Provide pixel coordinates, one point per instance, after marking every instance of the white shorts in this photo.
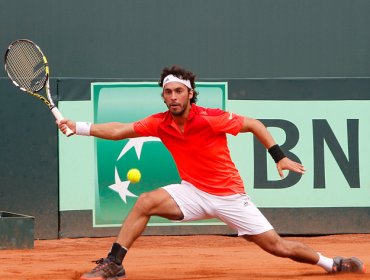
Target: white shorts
(237, 211)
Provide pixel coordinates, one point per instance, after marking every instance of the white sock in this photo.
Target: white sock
(325, 263)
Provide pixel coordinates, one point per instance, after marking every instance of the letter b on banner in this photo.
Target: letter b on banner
(260, 157)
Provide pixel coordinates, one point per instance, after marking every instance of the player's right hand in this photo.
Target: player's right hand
(65, 124)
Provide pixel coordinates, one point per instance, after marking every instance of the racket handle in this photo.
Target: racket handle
(58, 116)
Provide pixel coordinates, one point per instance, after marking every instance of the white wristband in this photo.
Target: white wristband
(83, 128)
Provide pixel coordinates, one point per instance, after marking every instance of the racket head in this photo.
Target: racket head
(26, 65)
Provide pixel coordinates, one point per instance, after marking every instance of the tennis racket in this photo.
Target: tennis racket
(27, 67)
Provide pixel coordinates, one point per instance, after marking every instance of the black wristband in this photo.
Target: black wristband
(276, 153)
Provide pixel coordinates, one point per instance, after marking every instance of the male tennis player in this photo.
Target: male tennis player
(211, 186)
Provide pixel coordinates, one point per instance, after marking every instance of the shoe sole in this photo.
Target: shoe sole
(363, 268)
(360, 266)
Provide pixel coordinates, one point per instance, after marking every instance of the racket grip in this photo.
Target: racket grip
(58, 116)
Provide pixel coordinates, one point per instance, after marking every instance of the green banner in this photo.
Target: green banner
(129, 102)
(329, 137)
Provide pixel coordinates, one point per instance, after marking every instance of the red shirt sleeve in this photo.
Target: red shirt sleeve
(224, 122)
(147, 126)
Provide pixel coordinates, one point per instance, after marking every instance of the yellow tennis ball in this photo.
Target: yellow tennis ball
(134, 175)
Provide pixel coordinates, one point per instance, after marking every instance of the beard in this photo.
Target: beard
(176, 109)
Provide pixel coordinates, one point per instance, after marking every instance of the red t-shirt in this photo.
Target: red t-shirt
(201, 153)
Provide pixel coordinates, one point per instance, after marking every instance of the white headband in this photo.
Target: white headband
(171, 78)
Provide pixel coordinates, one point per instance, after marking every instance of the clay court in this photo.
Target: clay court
(179, 257)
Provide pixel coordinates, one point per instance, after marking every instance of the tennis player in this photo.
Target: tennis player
(211, 186)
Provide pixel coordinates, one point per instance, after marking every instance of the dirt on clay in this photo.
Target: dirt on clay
(208, 257)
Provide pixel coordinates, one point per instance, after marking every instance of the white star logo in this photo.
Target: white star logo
(121, 187)
(137, 143)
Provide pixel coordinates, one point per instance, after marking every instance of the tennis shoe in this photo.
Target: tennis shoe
(106, 269)
(353, 265)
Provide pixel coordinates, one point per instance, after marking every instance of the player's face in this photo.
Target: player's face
(177, 98)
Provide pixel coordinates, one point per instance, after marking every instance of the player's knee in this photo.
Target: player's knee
(145, 203)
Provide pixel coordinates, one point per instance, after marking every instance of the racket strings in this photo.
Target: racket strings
(26, 66)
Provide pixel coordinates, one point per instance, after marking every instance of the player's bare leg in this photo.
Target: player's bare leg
(272, 243)
(154, 203)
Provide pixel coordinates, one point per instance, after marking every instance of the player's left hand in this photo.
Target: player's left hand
(288, 164)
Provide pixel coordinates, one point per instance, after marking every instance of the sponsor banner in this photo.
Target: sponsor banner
(129, 102)
(329, 137)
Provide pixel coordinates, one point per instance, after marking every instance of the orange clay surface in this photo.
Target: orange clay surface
(180, 257)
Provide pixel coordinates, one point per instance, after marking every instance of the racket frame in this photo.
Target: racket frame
(48, 101)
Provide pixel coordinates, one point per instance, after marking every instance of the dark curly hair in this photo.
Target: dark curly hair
(180, 73)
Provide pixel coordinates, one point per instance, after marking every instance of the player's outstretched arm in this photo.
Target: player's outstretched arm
(259, 130)
(111, 131)
(264, 136)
